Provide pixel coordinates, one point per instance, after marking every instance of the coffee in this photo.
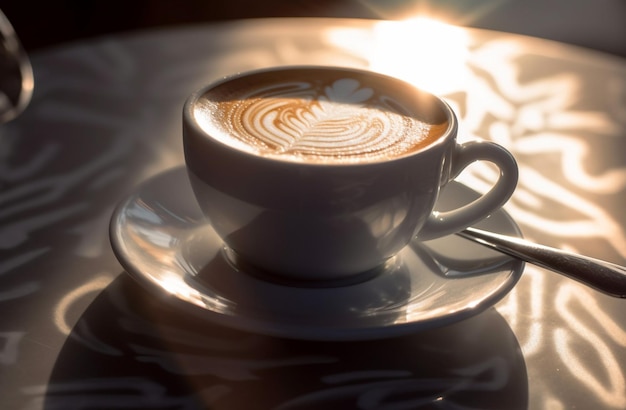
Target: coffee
(336, 117)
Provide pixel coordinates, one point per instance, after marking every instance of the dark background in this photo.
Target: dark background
(597, 24)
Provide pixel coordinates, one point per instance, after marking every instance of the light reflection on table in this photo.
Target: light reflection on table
(539, 117)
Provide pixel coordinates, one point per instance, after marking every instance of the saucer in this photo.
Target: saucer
(162, 240)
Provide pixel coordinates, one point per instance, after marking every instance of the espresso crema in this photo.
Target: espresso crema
(322, 120)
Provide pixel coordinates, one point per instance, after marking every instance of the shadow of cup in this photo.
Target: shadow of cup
(129, 350)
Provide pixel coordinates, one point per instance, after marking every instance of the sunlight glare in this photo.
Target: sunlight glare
(427, 53)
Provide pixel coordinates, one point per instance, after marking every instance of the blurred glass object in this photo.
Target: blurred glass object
(16, 73)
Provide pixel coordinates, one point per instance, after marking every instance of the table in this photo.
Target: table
(76, 332)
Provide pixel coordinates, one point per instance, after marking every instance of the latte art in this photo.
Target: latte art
(339, 121)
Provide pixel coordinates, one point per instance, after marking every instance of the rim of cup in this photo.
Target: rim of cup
(189, 116)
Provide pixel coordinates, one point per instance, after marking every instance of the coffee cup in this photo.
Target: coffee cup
(325, 173)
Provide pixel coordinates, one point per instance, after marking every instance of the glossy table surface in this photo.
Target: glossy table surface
(76, 332)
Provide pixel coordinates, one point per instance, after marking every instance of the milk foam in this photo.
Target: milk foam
(342, 121)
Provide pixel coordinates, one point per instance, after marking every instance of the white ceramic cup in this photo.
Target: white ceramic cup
(319, 221)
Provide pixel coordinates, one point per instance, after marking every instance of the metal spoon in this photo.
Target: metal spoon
(601, 275)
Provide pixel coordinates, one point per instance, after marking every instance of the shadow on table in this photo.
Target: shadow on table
(132, 351)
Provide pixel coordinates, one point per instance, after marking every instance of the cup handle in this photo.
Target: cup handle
(445, 223)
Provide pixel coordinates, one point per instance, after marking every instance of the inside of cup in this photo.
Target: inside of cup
(319, 114)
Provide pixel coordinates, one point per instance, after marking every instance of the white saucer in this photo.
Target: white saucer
(162, 240)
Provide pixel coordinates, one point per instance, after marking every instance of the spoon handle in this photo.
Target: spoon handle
(598, 274)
